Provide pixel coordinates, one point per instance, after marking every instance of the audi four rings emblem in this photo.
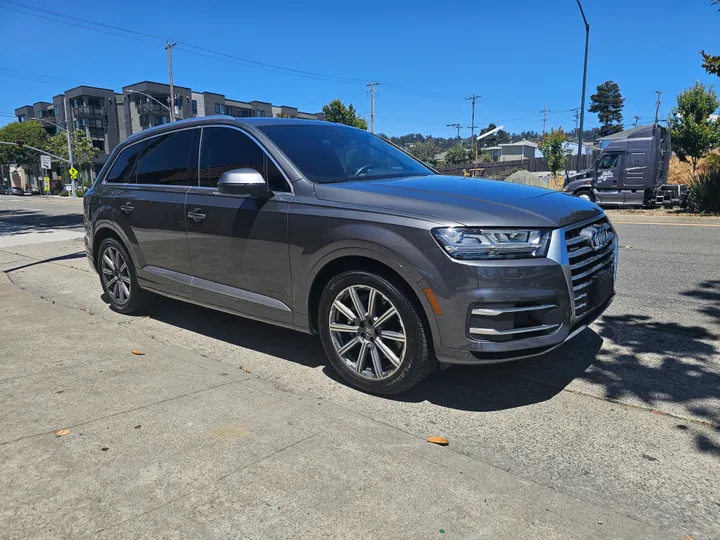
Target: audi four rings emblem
(598, 235)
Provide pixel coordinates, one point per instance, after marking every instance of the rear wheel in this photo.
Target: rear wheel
(585, 194)
(118, 277)
(372, 334)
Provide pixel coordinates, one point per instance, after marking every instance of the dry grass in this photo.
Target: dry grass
(681, 173)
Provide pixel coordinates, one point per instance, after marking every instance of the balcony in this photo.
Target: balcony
(151, 108)
(84, 110)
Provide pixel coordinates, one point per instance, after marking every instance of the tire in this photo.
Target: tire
(402, 336)
(585, 194)
(124, 294)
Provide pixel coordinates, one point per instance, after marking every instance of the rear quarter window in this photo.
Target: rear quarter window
(122, 171)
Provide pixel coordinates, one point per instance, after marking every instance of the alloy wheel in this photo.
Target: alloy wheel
(116, 275)
(367, 332)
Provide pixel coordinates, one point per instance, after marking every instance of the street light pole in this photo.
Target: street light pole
(73, 184)
(582, 103)
(149, 96)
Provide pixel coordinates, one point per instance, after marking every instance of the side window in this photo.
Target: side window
(608, 161)
(169, 159)
(225, 149)
(122, 169)
(637, 159)
(276, 180)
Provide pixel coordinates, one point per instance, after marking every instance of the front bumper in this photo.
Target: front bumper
(498, 311)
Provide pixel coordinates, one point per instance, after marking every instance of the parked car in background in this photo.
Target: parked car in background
(330, 230)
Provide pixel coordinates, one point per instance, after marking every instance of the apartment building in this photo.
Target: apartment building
(109, 117)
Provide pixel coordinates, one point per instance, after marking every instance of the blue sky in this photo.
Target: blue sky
(427, 56)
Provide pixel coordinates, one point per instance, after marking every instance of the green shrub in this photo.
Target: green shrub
(63, 193)
(705, 191)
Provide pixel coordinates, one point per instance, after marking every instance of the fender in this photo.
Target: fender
(412, 271)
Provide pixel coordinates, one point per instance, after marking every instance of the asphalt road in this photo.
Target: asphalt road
(627, 414)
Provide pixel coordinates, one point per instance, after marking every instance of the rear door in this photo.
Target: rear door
(608, 176)
(239, 243)
(151, 210)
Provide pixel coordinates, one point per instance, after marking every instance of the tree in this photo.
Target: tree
(692, 134)
(456, 155)
(32, 134)
(552, 147)
(83, 150)
(608, 104)
(337, 112)
(424, 151)
(485, 157)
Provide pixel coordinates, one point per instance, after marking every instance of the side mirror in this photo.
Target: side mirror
(242, 182)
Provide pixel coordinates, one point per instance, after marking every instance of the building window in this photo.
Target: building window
(220, 108)
(100, 145)
(245, 112)
(94, 102)
(22, 118)
(160, 120)
(194, 106)
(260, 114)
(144, 121)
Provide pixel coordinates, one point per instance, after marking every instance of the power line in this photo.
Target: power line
(251, 63)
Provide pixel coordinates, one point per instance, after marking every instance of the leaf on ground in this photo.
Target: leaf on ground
(137, 353)
(442, 441)
(138, 426)
(62, 432)
(246, 370)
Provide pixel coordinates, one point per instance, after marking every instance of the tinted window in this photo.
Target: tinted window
(122, 169)
(334, 153)
(225, 149)
(608, 161)
(168, 159)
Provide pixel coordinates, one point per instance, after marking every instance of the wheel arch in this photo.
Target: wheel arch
(368, 261)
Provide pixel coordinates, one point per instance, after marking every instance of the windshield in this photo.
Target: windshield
(335, 153)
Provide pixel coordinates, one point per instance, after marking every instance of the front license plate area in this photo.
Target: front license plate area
(602, 287)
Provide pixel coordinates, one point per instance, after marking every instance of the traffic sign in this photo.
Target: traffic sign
(45, 162)
(46, 184)
(73, 172)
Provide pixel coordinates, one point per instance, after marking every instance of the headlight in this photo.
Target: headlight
(474, 244)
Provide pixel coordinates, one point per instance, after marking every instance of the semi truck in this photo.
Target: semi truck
(630, 172)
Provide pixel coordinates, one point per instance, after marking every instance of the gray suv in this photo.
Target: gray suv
(330, 230)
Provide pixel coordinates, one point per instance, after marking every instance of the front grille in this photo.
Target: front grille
(586, 263)
(500, 323)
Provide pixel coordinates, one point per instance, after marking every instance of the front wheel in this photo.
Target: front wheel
(119, 281)
(585, 194)
(372, 334)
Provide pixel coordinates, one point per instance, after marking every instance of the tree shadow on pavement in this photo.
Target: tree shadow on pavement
(31, 221)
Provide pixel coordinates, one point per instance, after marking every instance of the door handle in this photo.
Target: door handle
(127, 208)
(196, 215)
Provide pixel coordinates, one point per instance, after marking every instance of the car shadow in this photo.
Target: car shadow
(16, 222)
(629, 359)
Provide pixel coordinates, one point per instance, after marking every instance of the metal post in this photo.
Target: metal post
(73, 184)
(582, 103)
(172, 90)
(371, 89)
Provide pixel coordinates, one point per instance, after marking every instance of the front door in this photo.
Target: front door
(239, 243)
(151, 210)
(607, 179)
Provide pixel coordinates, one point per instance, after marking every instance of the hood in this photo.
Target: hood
(464, 201)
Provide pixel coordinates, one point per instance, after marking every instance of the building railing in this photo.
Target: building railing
(85, 110)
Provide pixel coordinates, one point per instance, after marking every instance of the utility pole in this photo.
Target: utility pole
(169, 47)
(582, 101)
(576, 115)
(371, 90)
(544, 113)
(657, 106)
(73, 184)
(637, 119)
(472, 121)
(456, 126)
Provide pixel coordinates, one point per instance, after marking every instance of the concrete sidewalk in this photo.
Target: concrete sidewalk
(173, 444)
